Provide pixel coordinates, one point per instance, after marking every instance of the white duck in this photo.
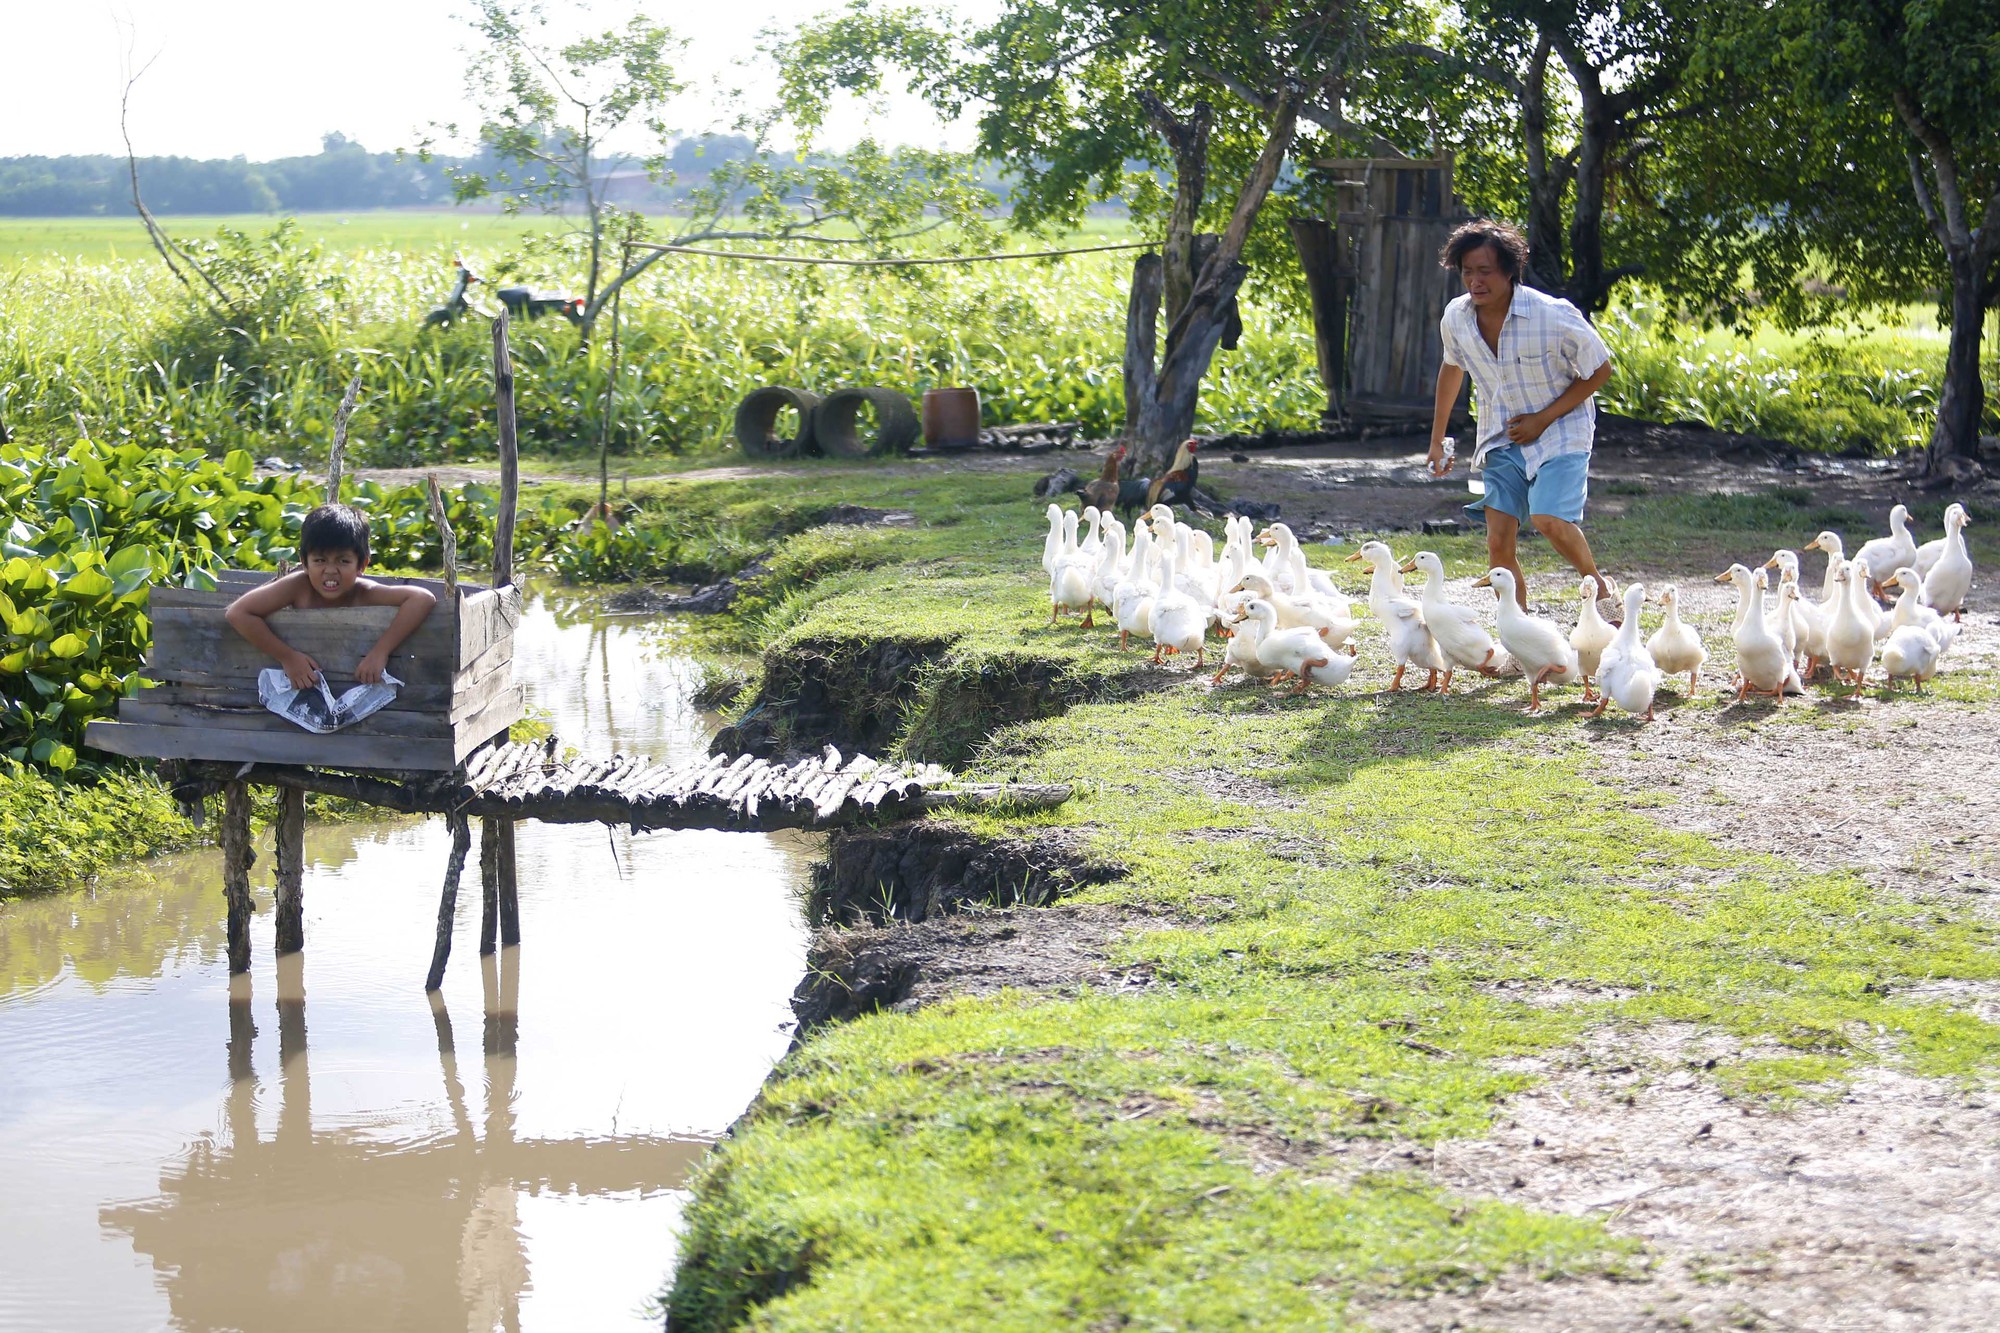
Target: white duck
(1627, 674)
(1914, 652)
(1883, 556)
(1592, 635)
(1850, 637)
(1292, 558)
(1132, 605)
(1299, 652)
(1410, 641)
(1909, 608)
(1053, 543)
(1241, 637)
(1460, 636)
(1948, 578)
(1763, 666)
(1069, 585)
(1806, 619)
(1537, 644)
(1104, 580)
(1676, 645)
(1180, 623)
(1336, 630)
(1829, 586)
(1091, 542)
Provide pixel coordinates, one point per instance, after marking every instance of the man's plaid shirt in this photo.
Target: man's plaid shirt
(1546, 345)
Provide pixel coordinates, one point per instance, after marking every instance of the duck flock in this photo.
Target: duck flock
(1283, 621)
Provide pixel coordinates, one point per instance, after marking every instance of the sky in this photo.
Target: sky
(267, 78)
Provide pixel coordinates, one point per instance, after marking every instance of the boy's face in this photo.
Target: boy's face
(1483, 277)
(332, 573)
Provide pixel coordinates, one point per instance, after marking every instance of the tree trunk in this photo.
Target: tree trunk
(1142, 340)
(1587, 287)
(1166, 399)
(1546, 183)
(1962, 400)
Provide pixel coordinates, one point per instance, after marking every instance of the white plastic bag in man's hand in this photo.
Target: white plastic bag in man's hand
(314, 707)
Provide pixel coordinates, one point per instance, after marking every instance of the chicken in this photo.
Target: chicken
(1176, 487)
(1104, 491)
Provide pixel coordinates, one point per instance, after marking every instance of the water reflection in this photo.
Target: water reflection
(169, 1158)
(333, 1229)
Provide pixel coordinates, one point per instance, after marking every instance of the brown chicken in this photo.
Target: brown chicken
(1177, 486)
(1104, 491)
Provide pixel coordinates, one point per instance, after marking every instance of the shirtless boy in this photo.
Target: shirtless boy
(334, 540)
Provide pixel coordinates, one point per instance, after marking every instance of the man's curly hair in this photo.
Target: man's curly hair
(1510, 247)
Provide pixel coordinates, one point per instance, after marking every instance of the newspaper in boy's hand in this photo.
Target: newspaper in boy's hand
(315, 707)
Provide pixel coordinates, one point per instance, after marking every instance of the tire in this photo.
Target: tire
(838, 428)
(757, 422)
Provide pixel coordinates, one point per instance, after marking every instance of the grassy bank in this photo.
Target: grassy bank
(1355, 923)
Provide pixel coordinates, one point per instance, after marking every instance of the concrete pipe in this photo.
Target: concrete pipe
(757, 422)
(839, 429)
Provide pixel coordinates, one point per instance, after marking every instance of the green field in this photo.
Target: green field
(97, 240)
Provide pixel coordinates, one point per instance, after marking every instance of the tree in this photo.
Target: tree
(1619, 67)
(550, 107)
(1865, 150)
(1069, 93)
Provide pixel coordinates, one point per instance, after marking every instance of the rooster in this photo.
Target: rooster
(1177, 485)
(1104, 491)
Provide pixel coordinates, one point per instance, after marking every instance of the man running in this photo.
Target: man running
(1535, 363)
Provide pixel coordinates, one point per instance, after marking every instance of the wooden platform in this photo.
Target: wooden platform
(457, 671)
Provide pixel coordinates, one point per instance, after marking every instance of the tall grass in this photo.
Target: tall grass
(117, 350)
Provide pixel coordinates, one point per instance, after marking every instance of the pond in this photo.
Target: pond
(336, 1150)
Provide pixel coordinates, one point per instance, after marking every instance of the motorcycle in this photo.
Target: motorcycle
(523, 303)
(455, 306)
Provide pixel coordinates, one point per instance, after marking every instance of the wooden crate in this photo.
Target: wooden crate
(457, 673)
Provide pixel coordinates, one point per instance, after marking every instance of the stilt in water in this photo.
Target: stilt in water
(461, 843)
(489, 884)
(291, 836)
(510, 901)
(236, 856)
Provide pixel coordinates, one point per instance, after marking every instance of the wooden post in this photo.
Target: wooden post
(510, 902)
(461, 842)
(291, 837)
(510, 458)
(489, 884)
(336, 458)
(236, 856)
(447, 539)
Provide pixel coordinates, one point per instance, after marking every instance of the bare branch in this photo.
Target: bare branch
(1924, 201)
(1492, 73)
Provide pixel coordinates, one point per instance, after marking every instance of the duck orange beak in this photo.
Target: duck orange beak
(1772, 563)
(1354, 559)
(1723, 577)
(1483, 581)
(1408, 567)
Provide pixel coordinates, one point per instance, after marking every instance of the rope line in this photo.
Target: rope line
(887, 263)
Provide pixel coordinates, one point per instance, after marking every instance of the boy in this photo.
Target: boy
(334, 541)
(1535, 362)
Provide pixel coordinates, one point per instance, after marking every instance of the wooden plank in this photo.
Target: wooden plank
(340, 750)
(385, 723)
(467, 700)
(236, 855)
(190, 644)
(484, 619)
(242, 580)
(233, 691)
(505, 710)
(290, 839)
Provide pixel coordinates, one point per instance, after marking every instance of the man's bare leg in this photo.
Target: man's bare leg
(1503, 532)
(1573, 546)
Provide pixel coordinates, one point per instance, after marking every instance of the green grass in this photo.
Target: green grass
(1365, 900)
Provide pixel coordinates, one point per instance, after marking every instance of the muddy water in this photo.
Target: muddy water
(334, 1151)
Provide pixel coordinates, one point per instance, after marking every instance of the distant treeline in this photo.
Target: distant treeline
(342, 175)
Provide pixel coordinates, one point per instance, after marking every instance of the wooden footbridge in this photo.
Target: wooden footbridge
(442, 747)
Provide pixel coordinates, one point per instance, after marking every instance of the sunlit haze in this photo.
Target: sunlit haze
(263, 80)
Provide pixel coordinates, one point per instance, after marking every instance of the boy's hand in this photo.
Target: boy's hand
(1440, 461)
(371, 668)
(299, 669)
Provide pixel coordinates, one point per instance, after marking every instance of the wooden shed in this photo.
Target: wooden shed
(1377, 289)
(457, 672)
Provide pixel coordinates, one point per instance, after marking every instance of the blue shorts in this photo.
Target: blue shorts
(1559, 487)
